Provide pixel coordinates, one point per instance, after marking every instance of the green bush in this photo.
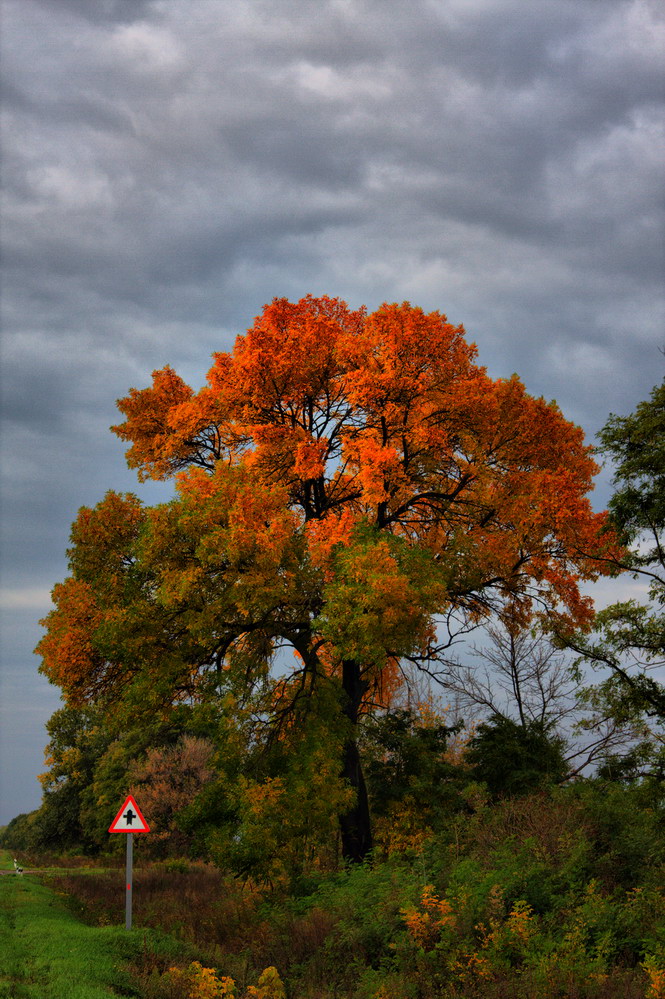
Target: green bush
(514, 759)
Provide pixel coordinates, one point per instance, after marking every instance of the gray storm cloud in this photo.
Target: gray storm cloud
(169, 167)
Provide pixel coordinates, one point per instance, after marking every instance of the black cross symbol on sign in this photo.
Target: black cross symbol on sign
(130, 816)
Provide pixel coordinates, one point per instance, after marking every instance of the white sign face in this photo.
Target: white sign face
(129, 819)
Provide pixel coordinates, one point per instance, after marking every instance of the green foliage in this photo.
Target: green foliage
(20, 833)
(270, 811)
(78, 741)
(365, 903)
(489, 876)
(408, 769)
(644, 761)
(627, 823)
(343, 482)
(630, 636)
(636, 444)
(49, 954)
(382, 596)
(513, 759)
(559, 893)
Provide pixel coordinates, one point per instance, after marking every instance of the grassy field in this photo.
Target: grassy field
(47, 953)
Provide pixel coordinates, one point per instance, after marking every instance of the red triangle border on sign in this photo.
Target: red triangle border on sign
(129, 802)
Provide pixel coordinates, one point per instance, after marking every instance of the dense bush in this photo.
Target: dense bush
(515, 759)
(555, 894)
(19, 834)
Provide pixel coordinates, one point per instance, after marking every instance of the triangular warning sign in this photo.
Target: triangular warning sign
(129, 818)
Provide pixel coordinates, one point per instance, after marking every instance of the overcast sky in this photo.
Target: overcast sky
(171, 166)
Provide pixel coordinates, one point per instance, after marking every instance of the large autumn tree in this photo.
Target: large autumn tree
(346, 485)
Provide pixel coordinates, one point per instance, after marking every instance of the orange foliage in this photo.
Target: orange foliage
(403, 829)
(170, 427)
(655, 970)
(69, 658)
(387, 417)
(324, 421)
(426, 923)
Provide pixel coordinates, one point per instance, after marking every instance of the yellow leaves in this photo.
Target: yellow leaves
(438, 923)
(403, 829)
(197, 982)
(230, 541)
(204, 983)
(269, 986)
(378, 603)
(178, 585)
(471, 967)
(68, 765)
(260, 798)
(519, 927)
(200, 982)
(288, 823)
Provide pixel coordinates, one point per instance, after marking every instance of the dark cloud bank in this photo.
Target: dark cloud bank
(170, 166)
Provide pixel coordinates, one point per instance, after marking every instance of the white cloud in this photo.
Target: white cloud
(71, 188)
(146, 48)
(28, 598)
(354, 83)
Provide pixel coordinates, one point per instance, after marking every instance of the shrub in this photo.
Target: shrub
(514, 759)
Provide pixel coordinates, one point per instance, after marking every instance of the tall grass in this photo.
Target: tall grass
(194, 903)
(47, 953)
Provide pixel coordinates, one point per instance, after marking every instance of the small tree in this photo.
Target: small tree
(166, 782)
(520, 675)
(78, 740)
(515, 759)
(628, 643)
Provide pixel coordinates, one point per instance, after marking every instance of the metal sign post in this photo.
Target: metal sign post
(128, 879)
(129, 821)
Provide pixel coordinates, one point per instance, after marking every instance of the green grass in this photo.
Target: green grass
(47, 953)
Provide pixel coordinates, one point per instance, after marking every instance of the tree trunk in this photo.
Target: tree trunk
(355, 824)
